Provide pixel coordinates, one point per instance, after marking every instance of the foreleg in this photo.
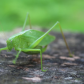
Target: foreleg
(5, 48)
(14, 61)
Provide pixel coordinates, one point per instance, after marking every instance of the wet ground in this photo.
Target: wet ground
(61, 69)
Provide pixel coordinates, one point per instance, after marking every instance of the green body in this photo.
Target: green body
(31, 41)
(25, 38)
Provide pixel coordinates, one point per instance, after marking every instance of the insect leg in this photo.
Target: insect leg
(14, 61)
(35, 43)
(5, 48)
(64, 39)
(29, 21)
(36, 50)
(28, 16)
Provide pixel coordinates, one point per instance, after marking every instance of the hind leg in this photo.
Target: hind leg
(28, 16)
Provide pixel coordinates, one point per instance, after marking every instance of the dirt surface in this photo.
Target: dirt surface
(61, 69)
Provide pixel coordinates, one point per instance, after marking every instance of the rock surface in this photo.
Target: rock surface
(61, 69)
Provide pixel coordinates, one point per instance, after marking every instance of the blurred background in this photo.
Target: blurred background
(43, 13)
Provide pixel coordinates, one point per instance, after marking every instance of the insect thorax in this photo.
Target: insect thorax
(18, 41)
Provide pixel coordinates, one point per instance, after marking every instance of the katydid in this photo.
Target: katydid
(32, 41)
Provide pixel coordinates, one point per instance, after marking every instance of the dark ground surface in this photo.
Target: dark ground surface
(62, 69)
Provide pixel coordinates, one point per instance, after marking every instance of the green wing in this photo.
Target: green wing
(32, 35)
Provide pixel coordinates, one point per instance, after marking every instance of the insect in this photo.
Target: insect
(31, 41)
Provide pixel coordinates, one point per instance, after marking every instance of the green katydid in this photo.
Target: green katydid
(31, 41)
